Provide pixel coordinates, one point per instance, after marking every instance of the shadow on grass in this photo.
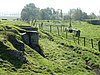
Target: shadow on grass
(5, 55)
(38, 49)
(11, 56)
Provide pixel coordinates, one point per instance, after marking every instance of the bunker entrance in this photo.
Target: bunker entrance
(30, 38)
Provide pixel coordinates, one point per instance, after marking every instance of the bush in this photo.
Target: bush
(95, 22)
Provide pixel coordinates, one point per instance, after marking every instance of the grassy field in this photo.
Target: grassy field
(88, 31)
(62, 56)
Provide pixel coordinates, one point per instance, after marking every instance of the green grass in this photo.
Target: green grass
(70, 60)
(88, 31)
(62, 56)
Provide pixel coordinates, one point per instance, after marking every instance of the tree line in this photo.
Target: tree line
(31, 12)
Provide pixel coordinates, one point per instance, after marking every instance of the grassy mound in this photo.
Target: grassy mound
(61, 58)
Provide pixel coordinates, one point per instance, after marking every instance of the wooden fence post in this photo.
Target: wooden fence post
(61, 28)
(92, 43)
(39, 26)
(66, 35)
(58, 30)
(36, 25)
(50, 28)
(74, 38)
(99, 45)
(42, 26)
(78, 40)
(84, 41)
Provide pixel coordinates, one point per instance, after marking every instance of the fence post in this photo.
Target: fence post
(39, 26)
(84, 41)
(61, 28)
(50, 29)
(36, 25)
(78, 40)
(66, 33)
(42, 25)
(99, 45)
(58, 30)
(92, 43)
(74, 38)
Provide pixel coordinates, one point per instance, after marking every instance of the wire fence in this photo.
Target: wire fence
(59, 30)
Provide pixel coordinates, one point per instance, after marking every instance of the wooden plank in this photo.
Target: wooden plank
(99, 45)
(92, 43)
(84, 41)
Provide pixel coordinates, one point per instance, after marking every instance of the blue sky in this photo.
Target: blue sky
(87, 6)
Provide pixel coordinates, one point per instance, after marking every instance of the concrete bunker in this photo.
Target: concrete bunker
(30, 38)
